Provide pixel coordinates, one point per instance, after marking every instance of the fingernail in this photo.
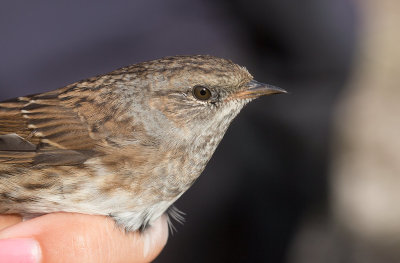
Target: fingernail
(19, 250)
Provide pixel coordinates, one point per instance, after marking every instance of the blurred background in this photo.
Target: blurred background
(312, 176)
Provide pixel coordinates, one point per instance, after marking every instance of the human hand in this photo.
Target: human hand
(69, 237)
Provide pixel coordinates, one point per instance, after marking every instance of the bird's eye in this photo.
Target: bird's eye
(201, 93)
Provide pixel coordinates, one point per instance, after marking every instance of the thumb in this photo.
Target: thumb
(68, 237)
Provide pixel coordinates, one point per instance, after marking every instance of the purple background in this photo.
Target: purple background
(271, 167)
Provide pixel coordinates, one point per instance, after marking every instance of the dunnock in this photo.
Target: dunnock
(126, 144)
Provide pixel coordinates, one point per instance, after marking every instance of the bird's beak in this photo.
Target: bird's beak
(255, 89)
(260, 89)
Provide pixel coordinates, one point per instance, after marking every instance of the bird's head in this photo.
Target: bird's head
(198, 93)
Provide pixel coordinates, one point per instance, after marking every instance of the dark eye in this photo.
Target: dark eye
(201, 93)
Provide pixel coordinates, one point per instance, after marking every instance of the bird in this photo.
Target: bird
(126, 144)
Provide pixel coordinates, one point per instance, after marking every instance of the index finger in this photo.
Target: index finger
(9, 220)
(67, 237)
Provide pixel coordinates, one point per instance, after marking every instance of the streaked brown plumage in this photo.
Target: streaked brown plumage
(125, 144)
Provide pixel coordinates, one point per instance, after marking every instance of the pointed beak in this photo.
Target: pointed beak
(255, 89)
(260, 89)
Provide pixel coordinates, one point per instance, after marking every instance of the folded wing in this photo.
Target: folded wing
(43, 130)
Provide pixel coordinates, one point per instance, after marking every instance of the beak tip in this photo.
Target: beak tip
(257, 89)
(276, 90)
(266, 88)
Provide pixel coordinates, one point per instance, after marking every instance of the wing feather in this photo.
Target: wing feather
(43, 130)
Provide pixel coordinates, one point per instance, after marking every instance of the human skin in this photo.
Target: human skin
(68, 237)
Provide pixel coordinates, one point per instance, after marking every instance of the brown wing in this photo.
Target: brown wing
(41, 129)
